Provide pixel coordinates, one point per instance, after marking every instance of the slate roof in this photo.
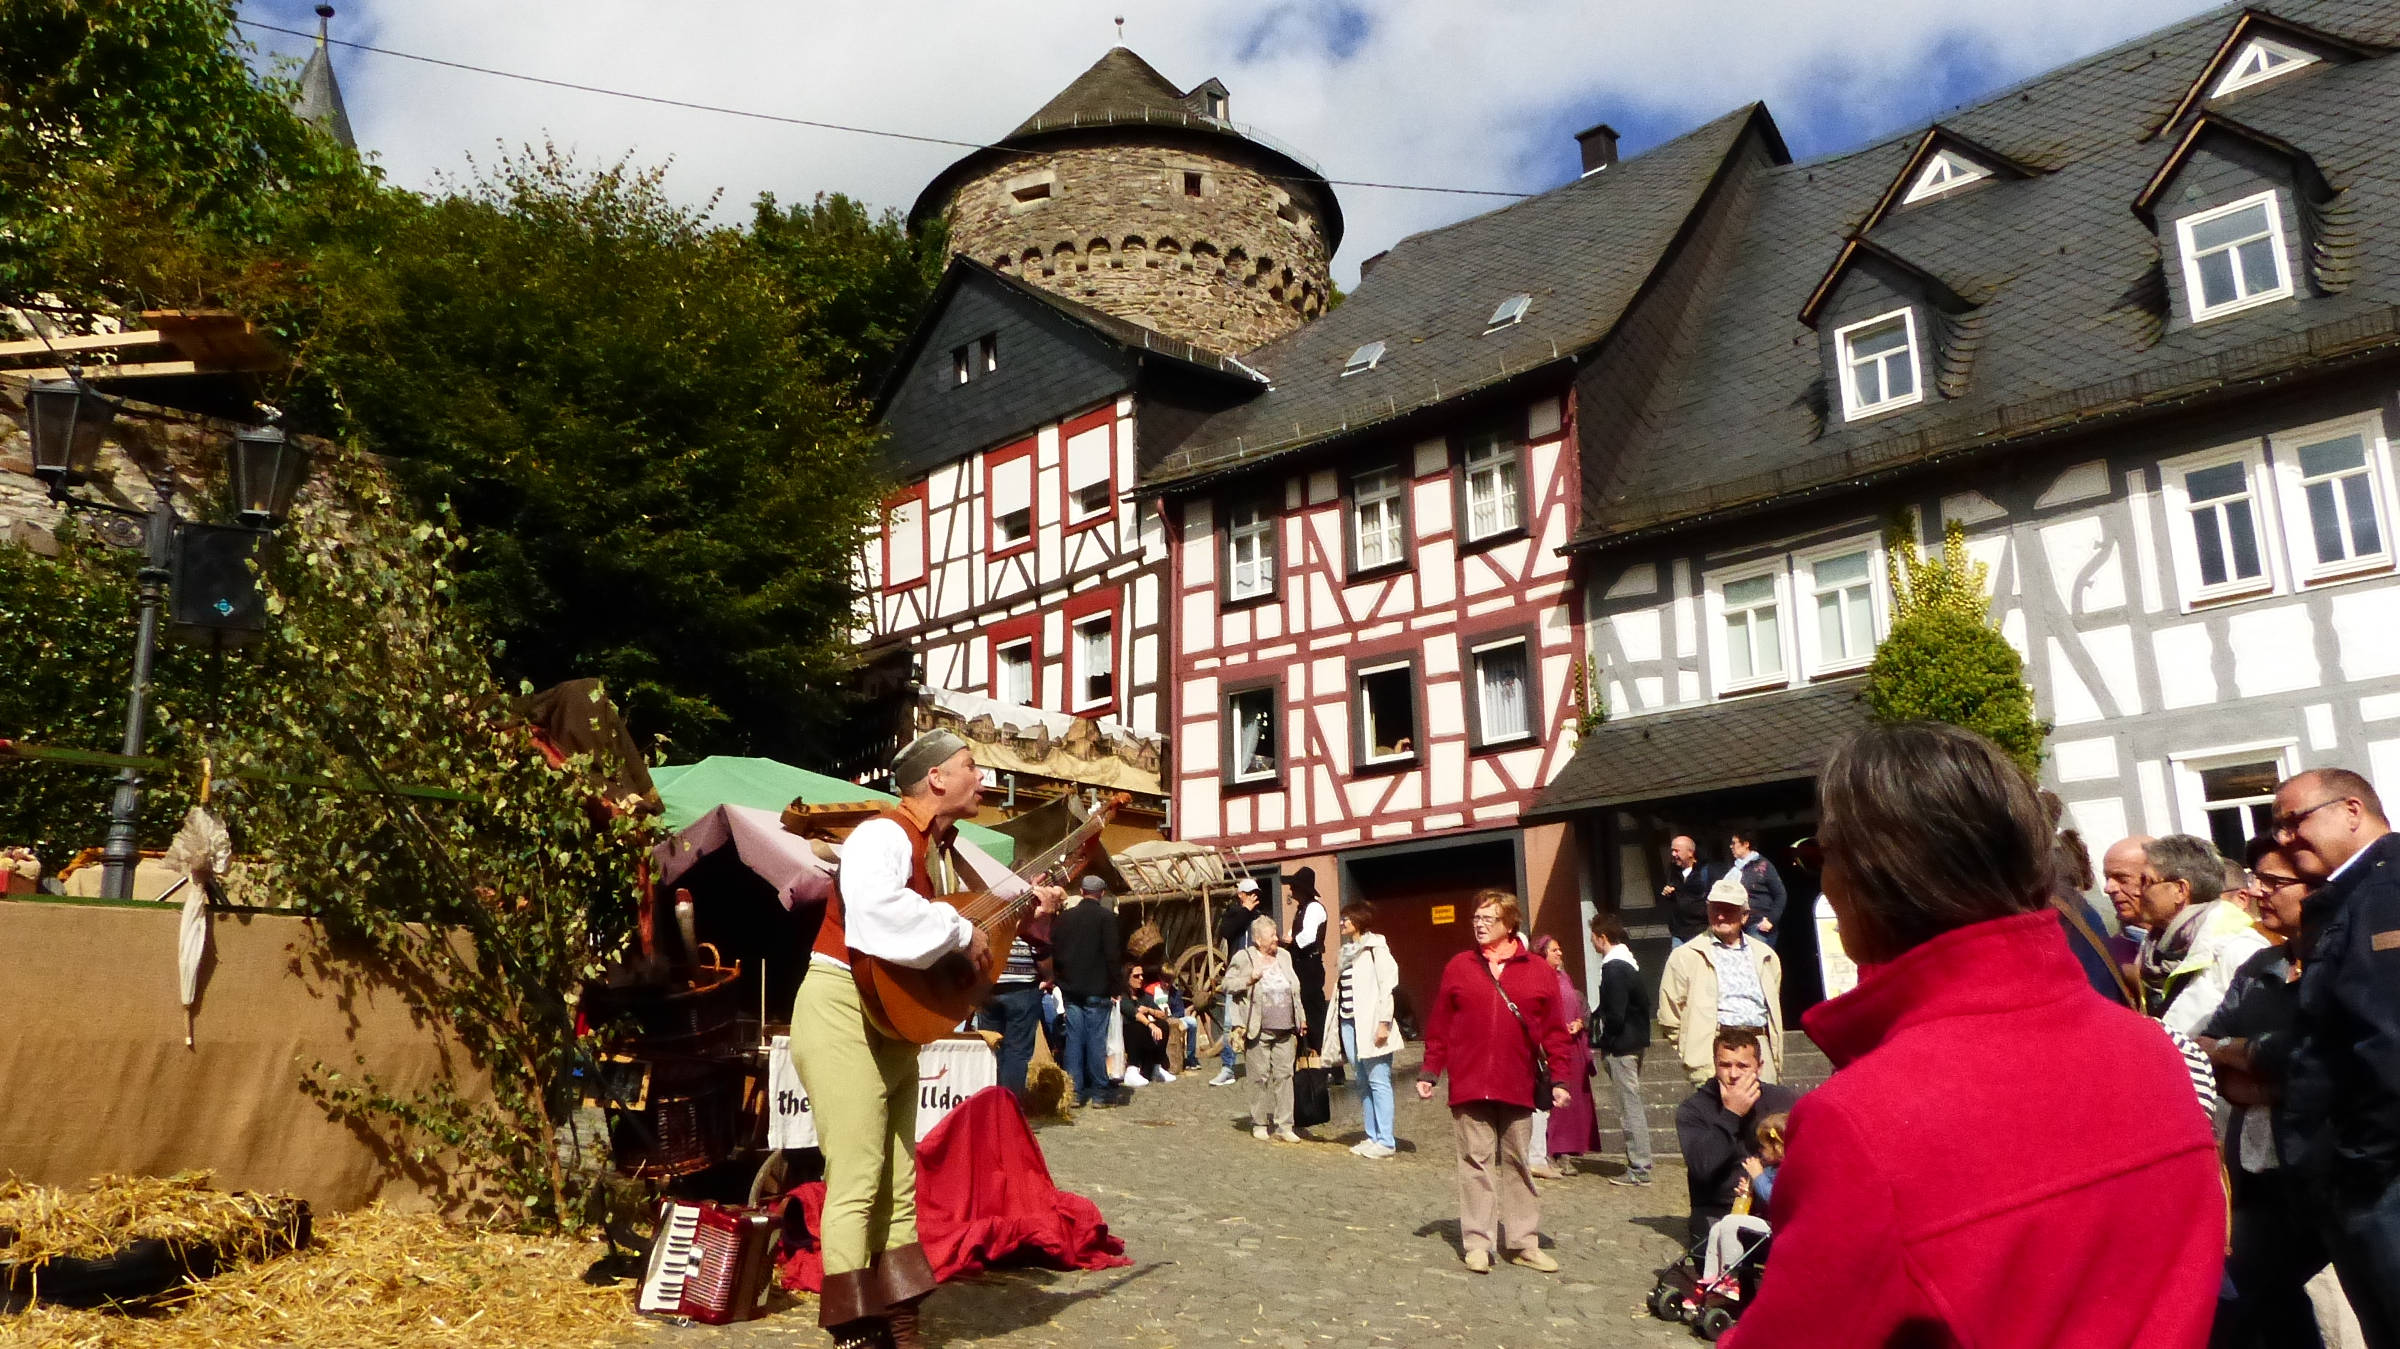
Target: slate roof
(1582, 251)
(318, 101)
(1120, 91)
(1775, 737)
(2066, 283)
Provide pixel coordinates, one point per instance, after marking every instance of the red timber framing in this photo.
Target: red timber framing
(1349, 658)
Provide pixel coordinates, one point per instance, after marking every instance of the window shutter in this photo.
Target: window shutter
(1089, 458)
(1012, 485)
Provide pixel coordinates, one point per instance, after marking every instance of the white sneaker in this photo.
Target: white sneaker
(1161, 1075)
(1363, 1148)
(1259, 1132)
(1224, 1078)
(1286, 1136)
(1380, 1152)
(1134, 1078)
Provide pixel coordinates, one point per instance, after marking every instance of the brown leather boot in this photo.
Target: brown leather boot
(902, 1318)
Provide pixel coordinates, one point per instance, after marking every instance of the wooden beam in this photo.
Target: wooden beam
(102, 374)
(147, 337)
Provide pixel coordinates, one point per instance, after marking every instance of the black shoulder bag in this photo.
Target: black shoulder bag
(1542, 1084)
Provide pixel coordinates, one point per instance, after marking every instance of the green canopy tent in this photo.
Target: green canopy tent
(690, 791)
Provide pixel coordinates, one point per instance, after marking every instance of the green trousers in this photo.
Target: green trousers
(862, 1088)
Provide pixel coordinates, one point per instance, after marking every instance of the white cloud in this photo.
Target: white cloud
(1432, 91)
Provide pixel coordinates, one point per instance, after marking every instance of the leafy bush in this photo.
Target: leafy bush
(1943, 659)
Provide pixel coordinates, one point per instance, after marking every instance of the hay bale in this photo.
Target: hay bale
(184, 1210)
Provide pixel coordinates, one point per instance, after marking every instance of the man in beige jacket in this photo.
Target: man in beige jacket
(1723, 977)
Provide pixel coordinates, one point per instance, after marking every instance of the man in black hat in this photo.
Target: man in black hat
(1308, 950)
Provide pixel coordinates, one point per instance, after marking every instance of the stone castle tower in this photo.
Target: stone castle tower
(1147, 203)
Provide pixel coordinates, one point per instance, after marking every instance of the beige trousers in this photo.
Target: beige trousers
(1270, 1058)
(862, 1087)
(1495, 1186)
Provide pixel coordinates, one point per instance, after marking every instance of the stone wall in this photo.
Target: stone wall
(1117, 227)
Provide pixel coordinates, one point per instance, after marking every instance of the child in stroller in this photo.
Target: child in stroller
(1717, 1278)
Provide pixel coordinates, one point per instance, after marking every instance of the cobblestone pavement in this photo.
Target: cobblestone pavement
(1238, 1242)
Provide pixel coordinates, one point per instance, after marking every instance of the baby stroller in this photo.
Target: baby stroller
(1710, 1307)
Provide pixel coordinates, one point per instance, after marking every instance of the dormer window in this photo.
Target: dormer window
(2260, 60)
(1511, 310)
(1363, 359)
(1946, 172)
(2233, 257)
(1878, 364)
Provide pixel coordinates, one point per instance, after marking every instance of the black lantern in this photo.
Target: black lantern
(66, 421)
(268, 468)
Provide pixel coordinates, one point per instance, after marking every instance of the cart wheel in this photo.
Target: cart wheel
(1712, 1322)
(769, 1184)
(1664, 1299)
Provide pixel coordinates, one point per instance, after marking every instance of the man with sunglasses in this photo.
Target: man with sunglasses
(2339, 1129)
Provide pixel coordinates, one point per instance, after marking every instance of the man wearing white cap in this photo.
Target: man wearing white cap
(1233, 933)
(1723, 979)
(862, 1082)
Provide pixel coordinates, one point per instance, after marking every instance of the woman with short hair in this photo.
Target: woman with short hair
(1495, 1014)
(1993, 1128)
(1370, 1032)
(1276, 1019)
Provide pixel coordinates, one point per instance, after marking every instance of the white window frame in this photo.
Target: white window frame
(1508, 312)
(1393, 500)
(1365, 358)
(2300, 529)
(2183, 545)
(1001, 692)
(2234, 80)
(1778, 571)
(1367, 756)
(2202, 312)
(1078, 483)
(1961, 171)
(1814, 662)
(906, 521)
(1852, 409)
(1503, 462)
(1483, 724)
(2191, 799)
(1259, 533)
(1079, 695)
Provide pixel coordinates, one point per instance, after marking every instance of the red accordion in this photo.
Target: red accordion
(710, 1263)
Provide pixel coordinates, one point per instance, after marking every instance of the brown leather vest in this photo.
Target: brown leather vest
(832, 936)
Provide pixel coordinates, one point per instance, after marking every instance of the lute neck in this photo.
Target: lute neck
(988, 910)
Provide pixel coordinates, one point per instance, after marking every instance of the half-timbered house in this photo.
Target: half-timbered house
(2133, 324)
(1376, 648)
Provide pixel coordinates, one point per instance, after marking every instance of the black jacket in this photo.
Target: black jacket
(1715, 1140)
(2340, 1123)
(1233, 926)
(1086, 951)
(1623, 1026)
(1687, 907)
(1765, 885)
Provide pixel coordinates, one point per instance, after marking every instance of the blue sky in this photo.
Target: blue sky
(1411, 91)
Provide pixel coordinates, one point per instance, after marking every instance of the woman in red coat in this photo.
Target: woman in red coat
(1488, 1050)
(2003, 1158)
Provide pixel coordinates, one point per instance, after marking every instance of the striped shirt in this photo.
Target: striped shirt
(1020, 968)
(1349, 1007)
(1741, 997)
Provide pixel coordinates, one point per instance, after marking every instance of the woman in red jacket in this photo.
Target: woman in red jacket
(1488, 1050)
(1972, 1021)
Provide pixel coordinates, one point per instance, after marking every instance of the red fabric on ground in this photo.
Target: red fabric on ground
(984, 1197)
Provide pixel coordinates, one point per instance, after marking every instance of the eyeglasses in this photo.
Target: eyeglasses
(1484, 919)
(2150, 883)
(2286, 826)
(2270, 882)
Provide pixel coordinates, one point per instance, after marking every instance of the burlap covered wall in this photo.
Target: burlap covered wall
(95, 1078)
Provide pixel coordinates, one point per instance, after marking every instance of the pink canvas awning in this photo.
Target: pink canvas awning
(780, 858)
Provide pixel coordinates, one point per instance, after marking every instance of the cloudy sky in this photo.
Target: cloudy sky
(1429, 92)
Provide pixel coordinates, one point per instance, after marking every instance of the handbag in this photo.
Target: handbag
(1542, 1085)
(1312, 1091)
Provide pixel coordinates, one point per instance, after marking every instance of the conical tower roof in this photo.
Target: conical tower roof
(319, 102)
(1119, 87)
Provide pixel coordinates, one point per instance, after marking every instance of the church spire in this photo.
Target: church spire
(319, 102)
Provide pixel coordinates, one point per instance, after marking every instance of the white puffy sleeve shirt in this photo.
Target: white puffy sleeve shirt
(881, 915)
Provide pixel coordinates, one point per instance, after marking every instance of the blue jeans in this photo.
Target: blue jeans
(1087, 1047)
(1374, 1089)
(1225, 1034)
(1014, 1011)
(1191, 1042)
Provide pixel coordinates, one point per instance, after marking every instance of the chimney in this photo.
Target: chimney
(1369, 264)
(1599, 147)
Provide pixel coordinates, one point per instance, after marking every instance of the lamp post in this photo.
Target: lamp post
(66, 420)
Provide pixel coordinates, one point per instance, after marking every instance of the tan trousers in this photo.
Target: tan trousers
(1270, 1057)
(862, 1088)
(1495, 1188)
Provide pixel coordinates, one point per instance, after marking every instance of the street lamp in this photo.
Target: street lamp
(66, 421)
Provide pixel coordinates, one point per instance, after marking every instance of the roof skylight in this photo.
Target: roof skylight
(1510, 311)
(1947, 171)
(2260, 60)
(1363, 359)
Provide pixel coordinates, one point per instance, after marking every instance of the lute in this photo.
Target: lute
(922, 1006)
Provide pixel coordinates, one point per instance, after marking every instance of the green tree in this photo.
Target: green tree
(142, 162)
(1943, 659)
(660, 484)
(855, 281)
